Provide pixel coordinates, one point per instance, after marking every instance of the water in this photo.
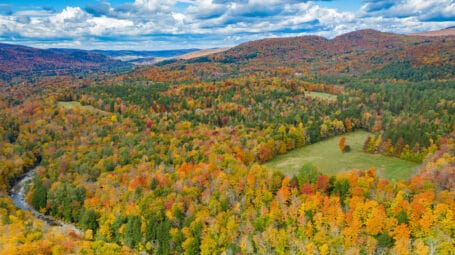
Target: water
(17, 193)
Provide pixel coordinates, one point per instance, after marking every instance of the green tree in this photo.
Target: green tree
(132, 234)
(39, 197)
(157, 231)
(341, 188)
(89, 220)
(308, 173)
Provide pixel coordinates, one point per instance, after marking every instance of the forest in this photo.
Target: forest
(169, 159)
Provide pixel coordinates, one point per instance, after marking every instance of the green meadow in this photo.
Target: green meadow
(328, 158)
(75, 104)
(321, 95)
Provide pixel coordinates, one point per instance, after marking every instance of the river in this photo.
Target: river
(17, 193)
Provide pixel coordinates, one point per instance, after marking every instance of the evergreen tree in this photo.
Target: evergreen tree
(39, 197)
(132, 234)
(89, 220)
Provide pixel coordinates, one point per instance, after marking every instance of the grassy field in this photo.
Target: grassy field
(321, 95)
(74, 104)
(327, 157)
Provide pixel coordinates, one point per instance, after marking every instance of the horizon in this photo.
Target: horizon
(213, 48)
(152, 25)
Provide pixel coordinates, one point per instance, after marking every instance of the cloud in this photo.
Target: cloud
(159, 24)
(155, 5)
(423, 10)
(48, 8)
(144, 7)
(103, 9)
(71, 22)
(70, 15)
(379, 5)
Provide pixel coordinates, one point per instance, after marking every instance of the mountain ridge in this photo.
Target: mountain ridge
(450, 31)
(18, 61)
(354, 53)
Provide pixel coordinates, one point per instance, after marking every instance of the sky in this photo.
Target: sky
(180, 24)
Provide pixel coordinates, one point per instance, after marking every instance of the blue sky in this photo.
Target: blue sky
(177, 24)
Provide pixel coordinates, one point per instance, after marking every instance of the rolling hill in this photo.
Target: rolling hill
(133, 54)
(443, 32)
(364, 52)
(21, 61)
(355, 53)
(138, 57)
(201, 53)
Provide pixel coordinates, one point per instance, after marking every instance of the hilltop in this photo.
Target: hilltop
(367, 53)
(364, 52)
(443, 32)
(277, 146)
(23, 62)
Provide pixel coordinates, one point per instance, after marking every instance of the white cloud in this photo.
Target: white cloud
(33, 13)
(106, 26)
(69, 14)
(421, 9)
(210, 23)
(155, 5)
(179, 17)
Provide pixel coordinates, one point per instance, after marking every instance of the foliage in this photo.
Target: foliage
(342, 143)
(167, 159)
(89, 219)
(330, 160)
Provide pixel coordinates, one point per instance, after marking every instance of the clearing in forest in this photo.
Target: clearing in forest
(328, 158)
(321, 95)
(75, 104)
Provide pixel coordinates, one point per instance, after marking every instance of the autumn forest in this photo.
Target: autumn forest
(177, 157)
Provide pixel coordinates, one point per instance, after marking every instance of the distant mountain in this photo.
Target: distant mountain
(201, 53)
(355, 53)
(443, 32)
(361, 51)
(139, 57)
(131, 55)
(17, 61)
(365, 53)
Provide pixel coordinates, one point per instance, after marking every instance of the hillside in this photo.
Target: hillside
(201, 53)
(249, 151)
(443, 32)
(355, 53)
(21, 61)
(156, 53)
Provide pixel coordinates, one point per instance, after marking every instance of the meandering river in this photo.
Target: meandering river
(17, 193)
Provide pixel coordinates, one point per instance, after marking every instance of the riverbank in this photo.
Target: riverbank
(17, 193)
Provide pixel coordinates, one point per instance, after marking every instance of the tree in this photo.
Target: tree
(132, 234)
(384, 240)
(89, 220)
(157, 231)
(343, 146)
(341, 143)
(367, 143)
(39, 197)
(341, 188)
(308, 173)
(348, 124)
(323, 183)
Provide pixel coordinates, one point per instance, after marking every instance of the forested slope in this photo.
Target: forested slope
(167, 160)
(366, 53)
(21, 63)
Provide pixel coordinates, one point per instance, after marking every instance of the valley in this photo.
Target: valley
(18, 196)
(239, 151)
